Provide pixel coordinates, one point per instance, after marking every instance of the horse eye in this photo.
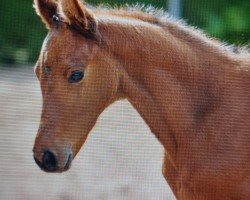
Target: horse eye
(76, 76)
(46, 71)
(55, 18)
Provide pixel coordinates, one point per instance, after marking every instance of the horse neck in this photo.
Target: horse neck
(170, 77)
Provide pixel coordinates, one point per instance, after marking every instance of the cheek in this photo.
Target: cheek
(104, 86)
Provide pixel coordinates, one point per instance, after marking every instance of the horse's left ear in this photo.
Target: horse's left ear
(80, 18)
(46, 9)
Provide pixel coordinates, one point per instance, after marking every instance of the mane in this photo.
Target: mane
(160, 17)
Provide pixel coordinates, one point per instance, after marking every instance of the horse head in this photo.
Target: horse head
(77, 82)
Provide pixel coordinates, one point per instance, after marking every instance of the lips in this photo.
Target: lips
(68, 163)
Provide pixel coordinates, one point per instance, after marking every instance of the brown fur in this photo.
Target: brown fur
(192, 92)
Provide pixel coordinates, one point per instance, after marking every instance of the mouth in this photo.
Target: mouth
(68, 163)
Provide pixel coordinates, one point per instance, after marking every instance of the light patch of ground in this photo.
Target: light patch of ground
(121, 159)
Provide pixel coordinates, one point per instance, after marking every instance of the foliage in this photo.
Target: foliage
(22, 33)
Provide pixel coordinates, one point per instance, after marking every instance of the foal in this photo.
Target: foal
(193, 93)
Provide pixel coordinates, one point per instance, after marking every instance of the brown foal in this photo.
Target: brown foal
(193, 92)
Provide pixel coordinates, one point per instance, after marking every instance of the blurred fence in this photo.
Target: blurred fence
(175, 8)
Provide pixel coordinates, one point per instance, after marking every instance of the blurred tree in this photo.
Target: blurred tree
(224, 19)
(22, 33)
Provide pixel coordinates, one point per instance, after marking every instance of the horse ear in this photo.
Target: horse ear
(46, 9)
(80, 18)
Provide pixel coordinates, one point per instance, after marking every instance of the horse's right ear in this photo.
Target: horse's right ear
(80, 18)
(46, 9)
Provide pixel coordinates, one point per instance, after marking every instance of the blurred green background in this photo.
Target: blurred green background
(22, 33)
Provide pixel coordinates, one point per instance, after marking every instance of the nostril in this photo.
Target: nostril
(49, 161)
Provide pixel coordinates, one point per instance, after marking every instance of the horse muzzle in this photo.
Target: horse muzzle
(48, 161)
